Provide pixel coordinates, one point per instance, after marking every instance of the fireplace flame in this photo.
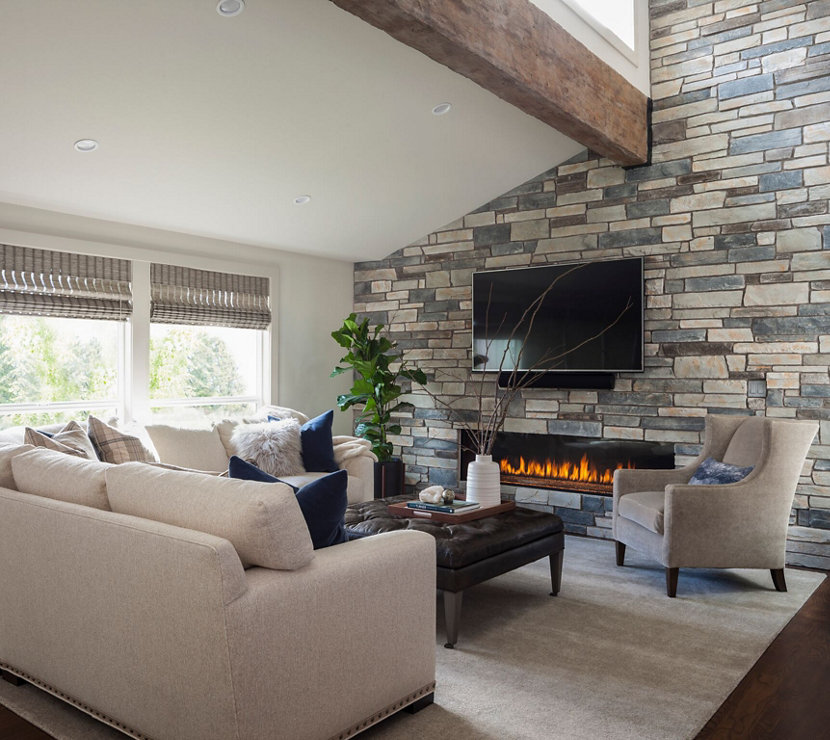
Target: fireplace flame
(583, 472)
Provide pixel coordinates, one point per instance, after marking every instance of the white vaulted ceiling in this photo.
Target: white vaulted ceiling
(211, 125)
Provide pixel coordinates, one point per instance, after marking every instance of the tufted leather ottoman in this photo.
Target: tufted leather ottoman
(471, 552)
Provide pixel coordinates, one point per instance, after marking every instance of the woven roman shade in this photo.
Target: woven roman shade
(182, 295)
(40, 282)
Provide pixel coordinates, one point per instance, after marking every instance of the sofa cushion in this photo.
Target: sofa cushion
(197, 449)
(7, 453)
(62, 477)
(273, 446)
(263, 523)
(115, 446)
(71, 439)
(322, 501)
(354, 488)
(317, 447)
(644, 507)
(225, 429)
(745, 446)
(713, 472)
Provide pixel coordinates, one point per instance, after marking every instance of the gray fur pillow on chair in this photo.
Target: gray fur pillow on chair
(273, 446)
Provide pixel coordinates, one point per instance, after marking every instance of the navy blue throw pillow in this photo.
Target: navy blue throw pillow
(323, 501)
(242, 469)
(711, 471)
(318, 450)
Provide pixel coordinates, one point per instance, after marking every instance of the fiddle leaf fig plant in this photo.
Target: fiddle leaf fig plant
(377, 365)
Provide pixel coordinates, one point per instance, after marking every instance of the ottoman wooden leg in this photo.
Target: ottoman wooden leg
(556, 559)
(452, 616)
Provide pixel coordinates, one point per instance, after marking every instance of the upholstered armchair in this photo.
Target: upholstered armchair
(732, 525)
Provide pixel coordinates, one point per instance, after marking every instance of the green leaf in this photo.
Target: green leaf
(383, 451)
(345, 401)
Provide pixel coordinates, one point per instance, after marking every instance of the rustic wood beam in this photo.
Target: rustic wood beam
(519, 53)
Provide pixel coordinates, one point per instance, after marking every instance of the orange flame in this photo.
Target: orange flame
(584, 471)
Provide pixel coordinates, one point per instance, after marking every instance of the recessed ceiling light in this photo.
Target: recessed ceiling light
(441, 109)
(301, 200)
(230, 8)
(86, 145)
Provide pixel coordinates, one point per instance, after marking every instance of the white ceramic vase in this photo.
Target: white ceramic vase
(484, 481)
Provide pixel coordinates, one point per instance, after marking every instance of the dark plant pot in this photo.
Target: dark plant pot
(389, 478)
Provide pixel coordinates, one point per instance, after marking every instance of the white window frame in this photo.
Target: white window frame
(132, 401)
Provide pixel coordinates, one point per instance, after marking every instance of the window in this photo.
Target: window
(62, 319)
(206, 342)
(56, 369)
(203, 371)
(617, 17)
(614, 20)
(65, 349)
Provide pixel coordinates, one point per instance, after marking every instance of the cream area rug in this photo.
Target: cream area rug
(611, 657)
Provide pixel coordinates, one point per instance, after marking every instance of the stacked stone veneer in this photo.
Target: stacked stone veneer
(732, 218)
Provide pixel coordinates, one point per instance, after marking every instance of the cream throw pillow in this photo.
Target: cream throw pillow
(273, 446)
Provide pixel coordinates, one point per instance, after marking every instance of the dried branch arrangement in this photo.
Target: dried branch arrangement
(493, 401)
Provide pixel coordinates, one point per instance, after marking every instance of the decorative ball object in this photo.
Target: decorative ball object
(448, 496)
(432, 495)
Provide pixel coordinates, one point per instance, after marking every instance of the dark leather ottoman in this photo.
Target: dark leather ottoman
(471, 552)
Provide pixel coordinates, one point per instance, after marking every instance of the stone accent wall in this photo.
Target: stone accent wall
(732, 218)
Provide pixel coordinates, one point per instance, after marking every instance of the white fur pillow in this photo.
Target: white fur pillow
(273, 446)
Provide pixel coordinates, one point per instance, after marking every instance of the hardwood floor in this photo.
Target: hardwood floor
(13, 727)
(783, 697)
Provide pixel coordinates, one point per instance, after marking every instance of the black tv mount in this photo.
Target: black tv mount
(577, 381)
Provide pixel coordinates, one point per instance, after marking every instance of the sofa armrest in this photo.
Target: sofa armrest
(316, 650)
(638, 479)
(724, 525)
(361, 469)
(355, 455)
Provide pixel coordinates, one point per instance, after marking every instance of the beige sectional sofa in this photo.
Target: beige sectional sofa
(209, 448)
(178, 605)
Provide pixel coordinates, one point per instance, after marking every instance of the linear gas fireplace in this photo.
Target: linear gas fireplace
(567, 463)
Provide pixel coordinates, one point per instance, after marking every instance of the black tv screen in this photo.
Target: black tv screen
(591, 319)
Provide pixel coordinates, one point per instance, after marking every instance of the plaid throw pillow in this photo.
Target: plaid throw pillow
(71, 440)
(113, 446)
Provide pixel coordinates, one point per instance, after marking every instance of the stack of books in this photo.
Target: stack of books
(454, 507)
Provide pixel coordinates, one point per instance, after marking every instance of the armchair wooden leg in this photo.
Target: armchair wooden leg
(620, 553)
(671, 581)
(778, 579)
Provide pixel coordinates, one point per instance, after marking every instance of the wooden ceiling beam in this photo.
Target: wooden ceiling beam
(519, 53)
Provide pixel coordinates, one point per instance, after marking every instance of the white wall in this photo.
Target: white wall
(310, 296)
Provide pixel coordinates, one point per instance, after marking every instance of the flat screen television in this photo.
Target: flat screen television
(589, 321)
